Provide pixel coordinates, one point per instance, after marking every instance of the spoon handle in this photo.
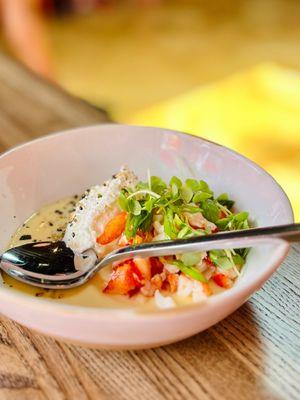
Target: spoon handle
(223, 240)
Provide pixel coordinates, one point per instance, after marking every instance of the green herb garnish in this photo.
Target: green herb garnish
(191, 271)
(174, 202)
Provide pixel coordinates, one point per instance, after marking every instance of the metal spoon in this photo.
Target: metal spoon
(53, 265)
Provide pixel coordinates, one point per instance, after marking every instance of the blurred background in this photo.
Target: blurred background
(227, 70)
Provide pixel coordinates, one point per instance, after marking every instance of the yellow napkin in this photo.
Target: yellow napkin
(256, 112)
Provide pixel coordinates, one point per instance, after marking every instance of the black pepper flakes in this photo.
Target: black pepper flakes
(25, 237)
(58, 212)
(50, 223)
(73, 234)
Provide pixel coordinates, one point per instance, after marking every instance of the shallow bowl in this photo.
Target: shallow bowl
(59, 165)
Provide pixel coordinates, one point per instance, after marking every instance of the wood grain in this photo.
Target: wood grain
(253, 354)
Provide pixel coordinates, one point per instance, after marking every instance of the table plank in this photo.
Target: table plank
(252, 354)
(31, 107)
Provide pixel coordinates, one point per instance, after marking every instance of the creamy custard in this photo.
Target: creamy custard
(48, 224)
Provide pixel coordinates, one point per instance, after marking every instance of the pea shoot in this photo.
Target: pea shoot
(176, 202)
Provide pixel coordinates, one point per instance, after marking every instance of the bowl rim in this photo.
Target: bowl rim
(47, 305)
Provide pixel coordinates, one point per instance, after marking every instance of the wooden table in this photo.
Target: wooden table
(253, 354)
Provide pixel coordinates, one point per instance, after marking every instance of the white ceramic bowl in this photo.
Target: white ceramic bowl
(62, 164)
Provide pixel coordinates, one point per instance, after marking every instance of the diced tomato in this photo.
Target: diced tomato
(222, 215)
(123, 280)
(222, 280)
(148, 236)
(169, 259)
(113, 229)
(144, 266)
(141, 237)
(156, 282)
(173, 282)
(165, 285)
(125, 242)
(156, 266)
(209, 262)
(137, 239)
(207, 289)
(136, 271)
(134, 291)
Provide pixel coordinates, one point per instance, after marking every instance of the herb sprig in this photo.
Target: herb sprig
(174, 201)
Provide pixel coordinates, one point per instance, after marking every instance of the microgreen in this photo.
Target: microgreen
(203, 186)
(225, 201)
(184, 232)
(210, 210)
(238, 260)
(134, 207)
(169, 227)
(190, 259)
(144, 191)
(234, 222)
(193, 184)
(220, 258)
(186, 193)
(123, 201)
(175, 181)
(157, 184)
(193, 272)
(201, 196)
(172, 201)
